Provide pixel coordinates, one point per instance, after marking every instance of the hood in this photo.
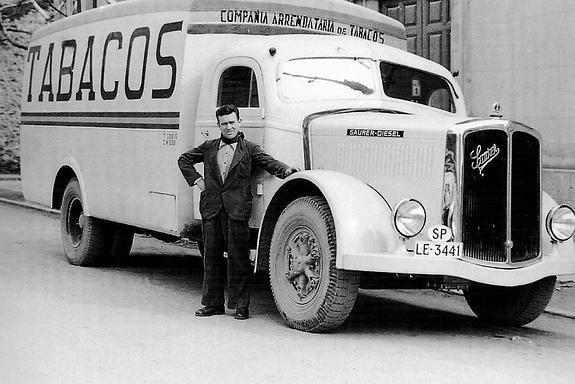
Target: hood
(400, 155)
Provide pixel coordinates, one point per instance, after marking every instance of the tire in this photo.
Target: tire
(310, 293)
(514, 306)
(122, 241)
(86, 239)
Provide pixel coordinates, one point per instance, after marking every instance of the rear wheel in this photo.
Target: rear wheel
(510, 305)
(122, 239)
(310, 293)
(85, 238)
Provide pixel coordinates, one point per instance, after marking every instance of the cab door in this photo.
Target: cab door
(236, 81)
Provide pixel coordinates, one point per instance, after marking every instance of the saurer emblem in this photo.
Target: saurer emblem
(481, 159)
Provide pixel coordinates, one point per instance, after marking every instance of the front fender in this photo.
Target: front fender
(361, 216)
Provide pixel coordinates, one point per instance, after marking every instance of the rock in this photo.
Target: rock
(11, 70)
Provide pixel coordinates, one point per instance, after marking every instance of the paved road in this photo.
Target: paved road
(135, 324)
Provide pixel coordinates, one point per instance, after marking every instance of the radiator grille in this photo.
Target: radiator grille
(485, 212)
(484, 219)
(525, 197)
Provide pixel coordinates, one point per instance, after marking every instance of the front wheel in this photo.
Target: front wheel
(85, 238)
(514, 306)
(310, 293)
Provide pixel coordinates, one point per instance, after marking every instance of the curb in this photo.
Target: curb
(30, 206)
(560, 313)
(10, 177)
(550, 311)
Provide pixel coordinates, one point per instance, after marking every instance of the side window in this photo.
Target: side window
(238, 86)
(416, 86)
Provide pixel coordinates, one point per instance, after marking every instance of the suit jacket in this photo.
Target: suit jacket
(234, 194)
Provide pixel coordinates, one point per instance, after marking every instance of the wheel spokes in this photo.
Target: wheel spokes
(304, 263)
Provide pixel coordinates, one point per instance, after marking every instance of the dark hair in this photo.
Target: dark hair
(226, 110)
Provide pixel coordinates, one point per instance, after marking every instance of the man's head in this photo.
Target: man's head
(229, 120)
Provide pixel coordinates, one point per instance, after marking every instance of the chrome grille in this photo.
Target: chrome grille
(484, 219)
(499, 226)
(525, 197)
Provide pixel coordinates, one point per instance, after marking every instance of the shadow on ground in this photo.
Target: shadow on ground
(411, 314)
(379, 312)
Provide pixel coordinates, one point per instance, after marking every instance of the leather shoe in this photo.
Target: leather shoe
(242, 314)
(210, 311)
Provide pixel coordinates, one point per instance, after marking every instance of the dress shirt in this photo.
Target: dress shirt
(225, 156)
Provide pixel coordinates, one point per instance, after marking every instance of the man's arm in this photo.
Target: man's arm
(186, 163)
(271, 165)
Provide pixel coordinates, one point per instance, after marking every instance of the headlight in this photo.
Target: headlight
(409, 217)
(561, 223)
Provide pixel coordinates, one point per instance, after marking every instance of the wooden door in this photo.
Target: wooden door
(427, 24)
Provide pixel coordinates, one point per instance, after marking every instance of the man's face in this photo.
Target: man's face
(229, 125)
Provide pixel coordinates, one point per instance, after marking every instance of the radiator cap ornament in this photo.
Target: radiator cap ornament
(496, 114)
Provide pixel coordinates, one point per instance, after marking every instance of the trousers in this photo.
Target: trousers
(220, 234)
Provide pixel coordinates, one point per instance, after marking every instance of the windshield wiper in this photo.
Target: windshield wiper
(355, 85)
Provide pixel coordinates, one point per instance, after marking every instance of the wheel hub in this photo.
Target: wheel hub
(75, 221)
(304, 260)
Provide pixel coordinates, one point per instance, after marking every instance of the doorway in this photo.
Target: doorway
(427, 24)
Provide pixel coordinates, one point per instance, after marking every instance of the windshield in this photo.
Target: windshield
(416, 86)
(327, 78)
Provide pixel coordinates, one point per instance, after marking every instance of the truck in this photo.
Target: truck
(399, 187)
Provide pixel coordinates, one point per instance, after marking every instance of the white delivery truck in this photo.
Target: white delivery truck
(399, 188)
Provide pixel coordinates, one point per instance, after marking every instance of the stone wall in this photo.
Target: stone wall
(11, 69)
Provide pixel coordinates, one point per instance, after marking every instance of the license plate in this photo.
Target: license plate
(437, 248)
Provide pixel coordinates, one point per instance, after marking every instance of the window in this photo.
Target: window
(238, 86)
(327, 78)
(416, 86)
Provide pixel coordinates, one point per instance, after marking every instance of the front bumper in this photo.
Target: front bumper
(559, 260)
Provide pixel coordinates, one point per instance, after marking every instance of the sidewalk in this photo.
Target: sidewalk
(562, 303)
(11, 193)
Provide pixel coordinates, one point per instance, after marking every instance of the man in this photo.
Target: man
(225, 206)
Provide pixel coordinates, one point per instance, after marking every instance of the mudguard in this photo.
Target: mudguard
(73, 164)
(362, 217)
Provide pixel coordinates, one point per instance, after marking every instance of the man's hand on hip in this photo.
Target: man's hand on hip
(201, 184)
